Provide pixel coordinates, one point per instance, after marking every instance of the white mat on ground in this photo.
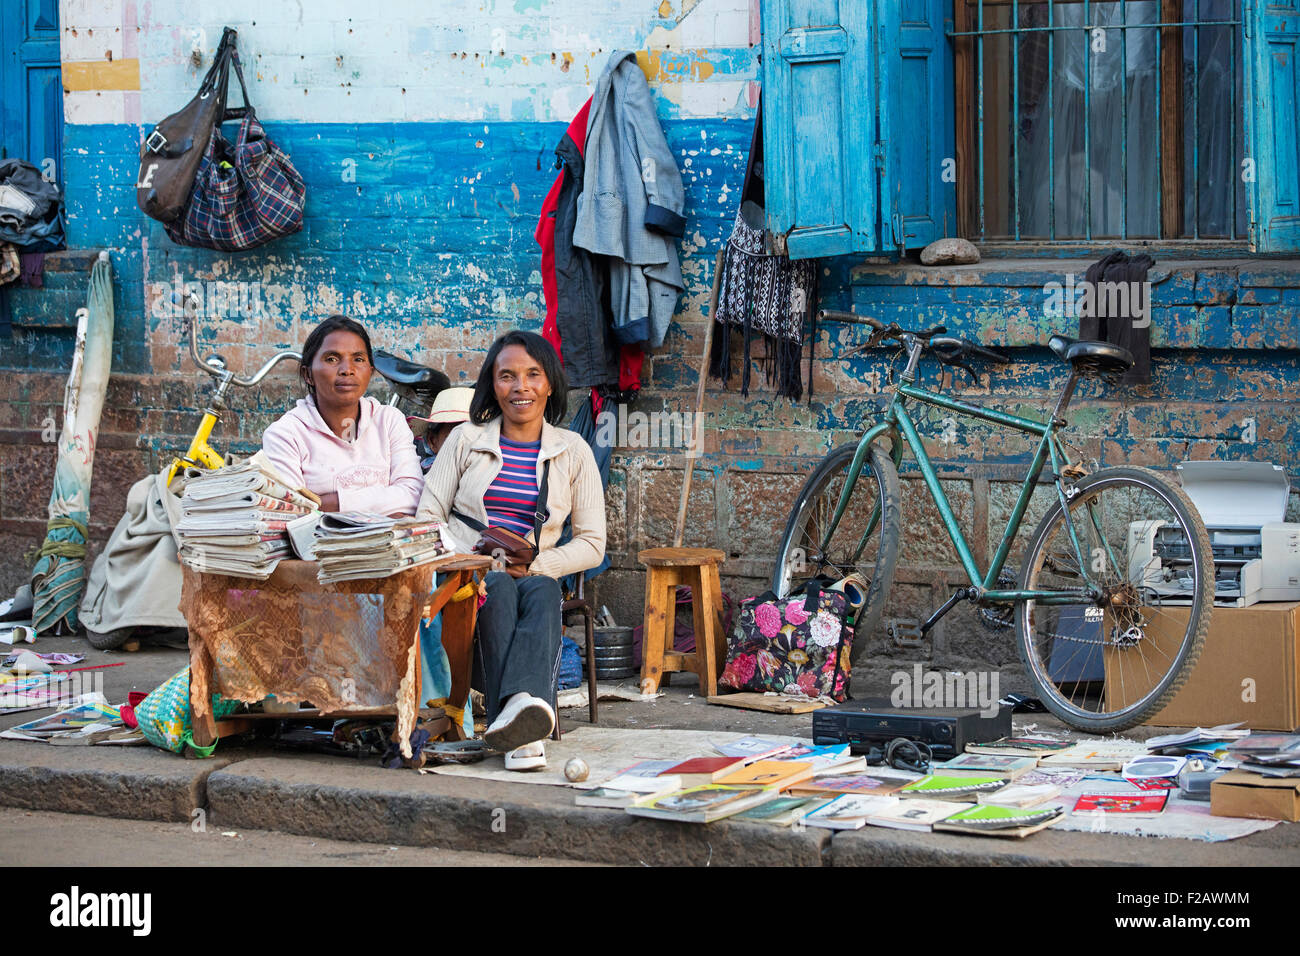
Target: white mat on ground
(1181, 818)
(607, 751)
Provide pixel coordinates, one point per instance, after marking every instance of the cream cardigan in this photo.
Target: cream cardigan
(471, 458)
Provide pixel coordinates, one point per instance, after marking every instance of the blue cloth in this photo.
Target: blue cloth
(435, 669)
(570, 665)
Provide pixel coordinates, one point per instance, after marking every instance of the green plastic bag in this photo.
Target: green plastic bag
(165, 718)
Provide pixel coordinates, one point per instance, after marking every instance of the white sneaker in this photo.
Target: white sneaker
(523, 720)
(528, 757)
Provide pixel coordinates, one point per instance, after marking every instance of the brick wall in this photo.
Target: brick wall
(421, 209)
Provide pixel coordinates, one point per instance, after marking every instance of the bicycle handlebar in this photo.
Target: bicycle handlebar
(957, 348)
(949, 350)
(219, 370)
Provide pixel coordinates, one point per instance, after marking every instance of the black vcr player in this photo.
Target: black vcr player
(864, 724)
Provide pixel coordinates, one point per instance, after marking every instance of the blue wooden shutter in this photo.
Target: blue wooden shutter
(917, 123)
(819, 126)
(1272, 95)
(31, 86)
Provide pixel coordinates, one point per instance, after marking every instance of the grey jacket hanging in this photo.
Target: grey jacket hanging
(632, 203)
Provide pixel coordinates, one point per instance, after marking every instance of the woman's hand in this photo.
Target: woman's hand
(329, 501)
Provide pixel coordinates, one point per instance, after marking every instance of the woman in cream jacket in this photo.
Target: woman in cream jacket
(489, 473)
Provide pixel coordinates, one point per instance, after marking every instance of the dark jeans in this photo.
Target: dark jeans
(519, 635)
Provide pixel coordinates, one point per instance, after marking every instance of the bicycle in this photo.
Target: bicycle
(1102, 640)
(200, 453)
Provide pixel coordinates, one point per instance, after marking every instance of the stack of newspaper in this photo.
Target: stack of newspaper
(234, 520)
(351, 545)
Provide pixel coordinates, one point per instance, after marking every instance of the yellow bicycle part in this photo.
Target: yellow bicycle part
(200, 452)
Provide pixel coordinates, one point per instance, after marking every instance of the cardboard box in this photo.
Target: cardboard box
(1249, 670)
(1239, 793)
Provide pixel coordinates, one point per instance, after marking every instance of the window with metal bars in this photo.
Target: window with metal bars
(890, 123)
(1100, 120)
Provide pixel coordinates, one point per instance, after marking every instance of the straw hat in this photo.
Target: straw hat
(450, 405)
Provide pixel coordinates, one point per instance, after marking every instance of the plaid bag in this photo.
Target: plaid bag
(798, 645)
(245, 195)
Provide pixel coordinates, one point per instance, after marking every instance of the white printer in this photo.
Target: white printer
(1256, 552)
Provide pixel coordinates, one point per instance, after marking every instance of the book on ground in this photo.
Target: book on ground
(781, 812)
(622, 799)
(1020, 747)
(711, 767)
(961, 787)
(1265, 742)
(1144, 803)
(915, 814)
(992, 820)
(702, 804)
(835, 758)
(1021, 795)
(751, 748)
(1095, 755)
(1002, 765)
(849, 811)
(836, 783)
(1199, 735)
(768, 773)
(646, 776)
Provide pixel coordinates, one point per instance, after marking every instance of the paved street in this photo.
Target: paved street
(38, 838)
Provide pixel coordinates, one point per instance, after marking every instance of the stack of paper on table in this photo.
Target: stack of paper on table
(234, 520)
(359, 545)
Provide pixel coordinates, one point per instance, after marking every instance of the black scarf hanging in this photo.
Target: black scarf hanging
(761, 293)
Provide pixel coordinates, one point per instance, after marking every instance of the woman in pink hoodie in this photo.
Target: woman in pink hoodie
(355, 453)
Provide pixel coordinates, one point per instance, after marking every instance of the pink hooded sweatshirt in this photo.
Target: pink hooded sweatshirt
(378, 471)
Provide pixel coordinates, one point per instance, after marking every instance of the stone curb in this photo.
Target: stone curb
(130, 782)
(379, 806)
(327, 797)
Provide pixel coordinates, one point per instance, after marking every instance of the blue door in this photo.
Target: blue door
(918, 189)
(1272, 95)
(819, 126)
(31, 88)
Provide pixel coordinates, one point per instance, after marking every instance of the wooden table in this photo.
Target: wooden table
(301, 640)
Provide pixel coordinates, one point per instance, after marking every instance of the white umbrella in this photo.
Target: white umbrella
(59, 575)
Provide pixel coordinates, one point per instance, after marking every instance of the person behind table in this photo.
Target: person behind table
(489, 472)
(450, 408)
(353, 452)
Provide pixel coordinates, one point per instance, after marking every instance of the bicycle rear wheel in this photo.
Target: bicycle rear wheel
(865, 542)
(1110, 663)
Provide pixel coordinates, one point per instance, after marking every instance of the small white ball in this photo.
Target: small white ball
(576, 770)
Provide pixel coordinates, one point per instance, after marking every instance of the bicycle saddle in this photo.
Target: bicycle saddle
(401, 372)
(1091, 357)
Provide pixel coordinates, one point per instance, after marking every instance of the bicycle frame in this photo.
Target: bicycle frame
(200, 452)
(897, 423)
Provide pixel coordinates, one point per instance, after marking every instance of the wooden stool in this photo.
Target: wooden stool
(697, 568)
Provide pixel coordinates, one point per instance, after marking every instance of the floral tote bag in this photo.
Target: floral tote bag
(798, 645)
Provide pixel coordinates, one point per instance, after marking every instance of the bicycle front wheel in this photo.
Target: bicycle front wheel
(1115, 659)
(864, 543)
